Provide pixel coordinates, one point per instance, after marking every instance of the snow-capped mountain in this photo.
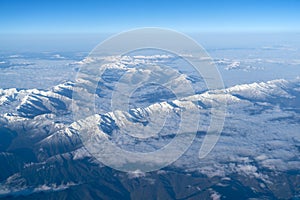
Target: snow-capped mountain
(43, 151)
(40, 136)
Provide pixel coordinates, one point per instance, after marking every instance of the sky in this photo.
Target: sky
(112, 16)
(61, 25)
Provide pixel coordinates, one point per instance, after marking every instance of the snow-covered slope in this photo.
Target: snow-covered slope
(260, 133)
(261, 91)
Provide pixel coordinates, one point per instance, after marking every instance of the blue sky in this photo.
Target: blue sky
(58, 16)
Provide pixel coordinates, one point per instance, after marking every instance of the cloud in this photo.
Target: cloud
(58, 56)
(279, 47)
(233, 65)
(8, 191)
(136, 174)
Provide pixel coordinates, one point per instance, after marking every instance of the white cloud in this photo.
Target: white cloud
(233, 65)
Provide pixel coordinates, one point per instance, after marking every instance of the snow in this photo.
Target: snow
(241, 128)
(248, 142)
(261, 90)
(215, 195)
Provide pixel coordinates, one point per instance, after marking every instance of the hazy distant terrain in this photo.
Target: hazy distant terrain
(257, 156)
